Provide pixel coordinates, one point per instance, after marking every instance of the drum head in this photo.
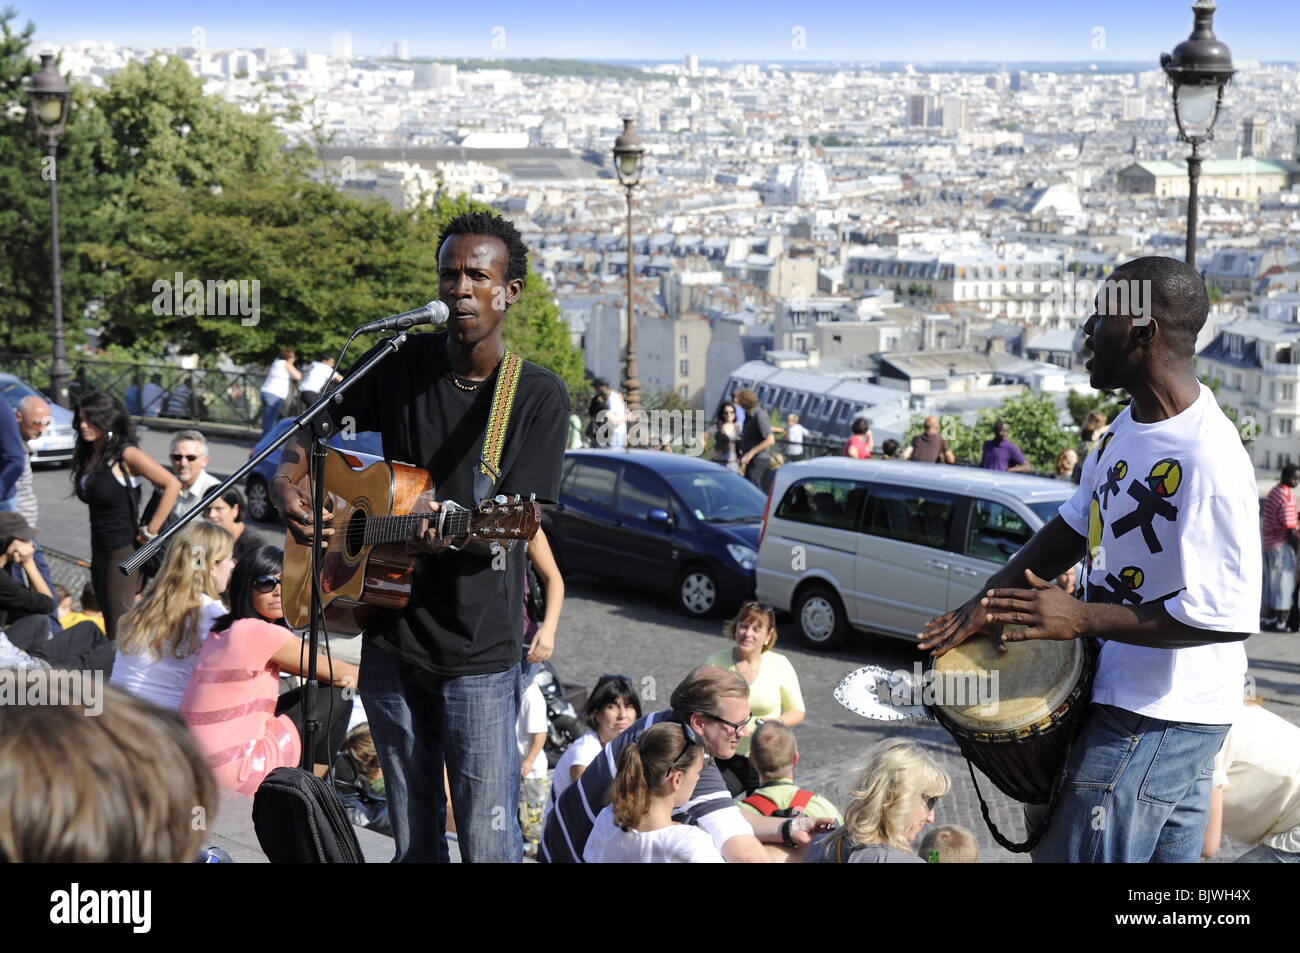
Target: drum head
(980, 689)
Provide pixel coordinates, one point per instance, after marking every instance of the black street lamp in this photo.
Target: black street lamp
(628, 151)
(49, 95)
(1198, 68)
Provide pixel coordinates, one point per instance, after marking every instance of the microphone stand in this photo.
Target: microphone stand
(315, 418)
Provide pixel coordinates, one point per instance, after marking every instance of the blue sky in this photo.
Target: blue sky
(1093, 30)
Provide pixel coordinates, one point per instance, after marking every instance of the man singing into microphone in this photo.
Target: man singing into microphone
(440, 679)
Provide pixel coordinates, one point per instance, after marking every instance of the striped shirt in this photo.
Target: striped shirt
(570, 824)
(25, 501)
(1278, 517)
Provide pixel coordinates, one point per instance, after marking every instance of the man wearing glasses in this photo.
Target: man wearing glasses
(189, 459)
(714, 704)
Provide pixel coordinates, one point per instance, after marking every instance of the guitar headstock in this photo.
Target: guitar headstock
(506, 518)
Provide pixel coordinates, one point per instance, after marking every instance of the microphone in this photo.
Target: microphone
(435, 312)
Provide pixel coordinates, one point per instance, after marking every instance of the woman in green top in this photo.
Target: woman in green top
(773, 685)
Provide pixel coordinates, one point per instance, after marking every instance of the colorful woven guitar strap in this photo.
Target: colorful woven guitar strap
(494, 438)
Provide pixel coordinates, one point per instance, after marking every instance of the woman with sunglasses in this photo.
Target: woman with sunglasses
(656, 775)
(233, 703)
(107, 470)
(162, 634)
(725, 434)
(611, 709)
(773, 685)
(892, 800)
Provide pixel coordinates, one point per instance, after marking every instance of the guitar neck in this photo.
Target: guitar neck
(395, 529)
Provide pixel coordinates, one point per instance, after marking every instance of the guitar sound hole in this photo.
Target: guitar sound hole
(355, 537)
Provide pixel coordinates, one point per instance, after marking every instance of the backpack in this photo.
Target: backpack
(767, 807)
(299, 819)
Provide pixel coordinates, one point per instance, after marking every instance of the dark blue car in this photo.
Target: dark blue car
(256, 488)
(662, 521)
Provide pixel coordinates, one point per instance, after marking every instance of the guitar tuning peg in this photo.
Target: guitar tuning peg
(499, 499)
(532, 497)
(517, 498)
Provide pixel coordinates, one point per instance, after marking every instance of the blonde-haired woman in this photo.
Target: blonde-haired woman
(159, 642)
(773, 686)
(892, 800)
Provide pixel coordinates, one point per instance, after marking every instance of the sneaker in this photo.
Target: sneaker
(1271, 625)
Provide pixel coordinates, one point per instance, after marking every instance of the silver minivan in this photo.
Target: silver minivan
(885, 545)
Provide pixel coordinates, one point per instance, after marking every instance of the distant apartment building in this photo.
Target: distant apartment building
(1257, 364)
(956, 113)
(921, 107)
(1031, 285)
(402, 50)
(1246, 178)
(1254, 138)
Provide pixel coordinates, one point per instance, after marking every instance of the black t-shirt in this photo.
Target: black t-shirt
(463, 617)
(756, 429)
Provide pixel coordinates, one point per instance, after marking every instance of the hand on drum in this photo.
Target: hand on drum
(1046, 611)
(953, 628)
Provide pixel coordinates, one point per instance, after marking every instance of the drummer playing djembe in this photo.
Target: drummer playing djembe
(1180, 544)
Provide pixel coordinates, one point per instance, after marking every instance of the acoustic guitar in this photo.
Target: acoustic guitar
(378, 506)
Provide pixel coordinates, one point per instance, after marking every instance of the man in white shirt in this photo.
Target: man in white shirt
(794, 437)
(616, 420)
(1167, 513)
(319, 375)
(189, 460)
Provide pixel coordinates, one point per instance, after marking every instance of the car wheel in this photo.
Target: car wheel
(820, 617)
(259, 500)
(697, 591)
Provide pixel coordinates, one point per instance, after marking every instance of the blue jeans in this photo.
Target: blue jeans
(271, 407)
(468, 723)
(1137, 790)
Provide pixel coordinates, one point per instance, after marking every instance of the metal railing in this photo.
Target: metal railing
(201, 395)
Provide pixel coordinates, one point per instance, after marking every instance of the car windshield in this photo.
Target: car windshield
(14, 391)
(721, 497)
(1045, 510)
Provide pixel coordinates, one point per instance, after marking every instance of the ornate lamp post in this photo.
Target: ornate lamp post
(628, 151)
(49, 95)
(1199, 68)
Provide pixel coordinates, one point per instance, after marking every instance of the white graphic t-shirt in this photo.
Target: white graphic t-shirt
(1171, 513)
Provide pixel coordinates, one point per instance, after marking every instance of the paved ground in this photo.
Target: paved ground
(616, 630)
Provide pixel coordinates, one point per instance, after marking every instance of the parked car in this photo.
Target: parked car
(885, 545)
(257, 485)
(58, 441)
(662, 521)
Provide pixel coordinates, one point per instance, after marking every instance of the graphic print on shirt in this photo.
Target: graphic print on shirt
(1113, 476)
(1153, 500)
(1123, 588)
(1096, 559)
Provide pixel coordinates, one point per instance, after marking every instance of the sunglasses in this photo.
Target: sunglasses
(930, 801)
(736, 727)
(178, 457)
(265, 584)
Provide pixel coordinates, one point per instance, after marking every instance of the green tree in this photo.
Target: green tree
(1080, 405)
(1031, 418)
(26, 299)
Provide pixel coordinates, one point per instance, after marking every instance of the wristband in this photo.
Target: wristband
(786, 839)
(144, 531)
